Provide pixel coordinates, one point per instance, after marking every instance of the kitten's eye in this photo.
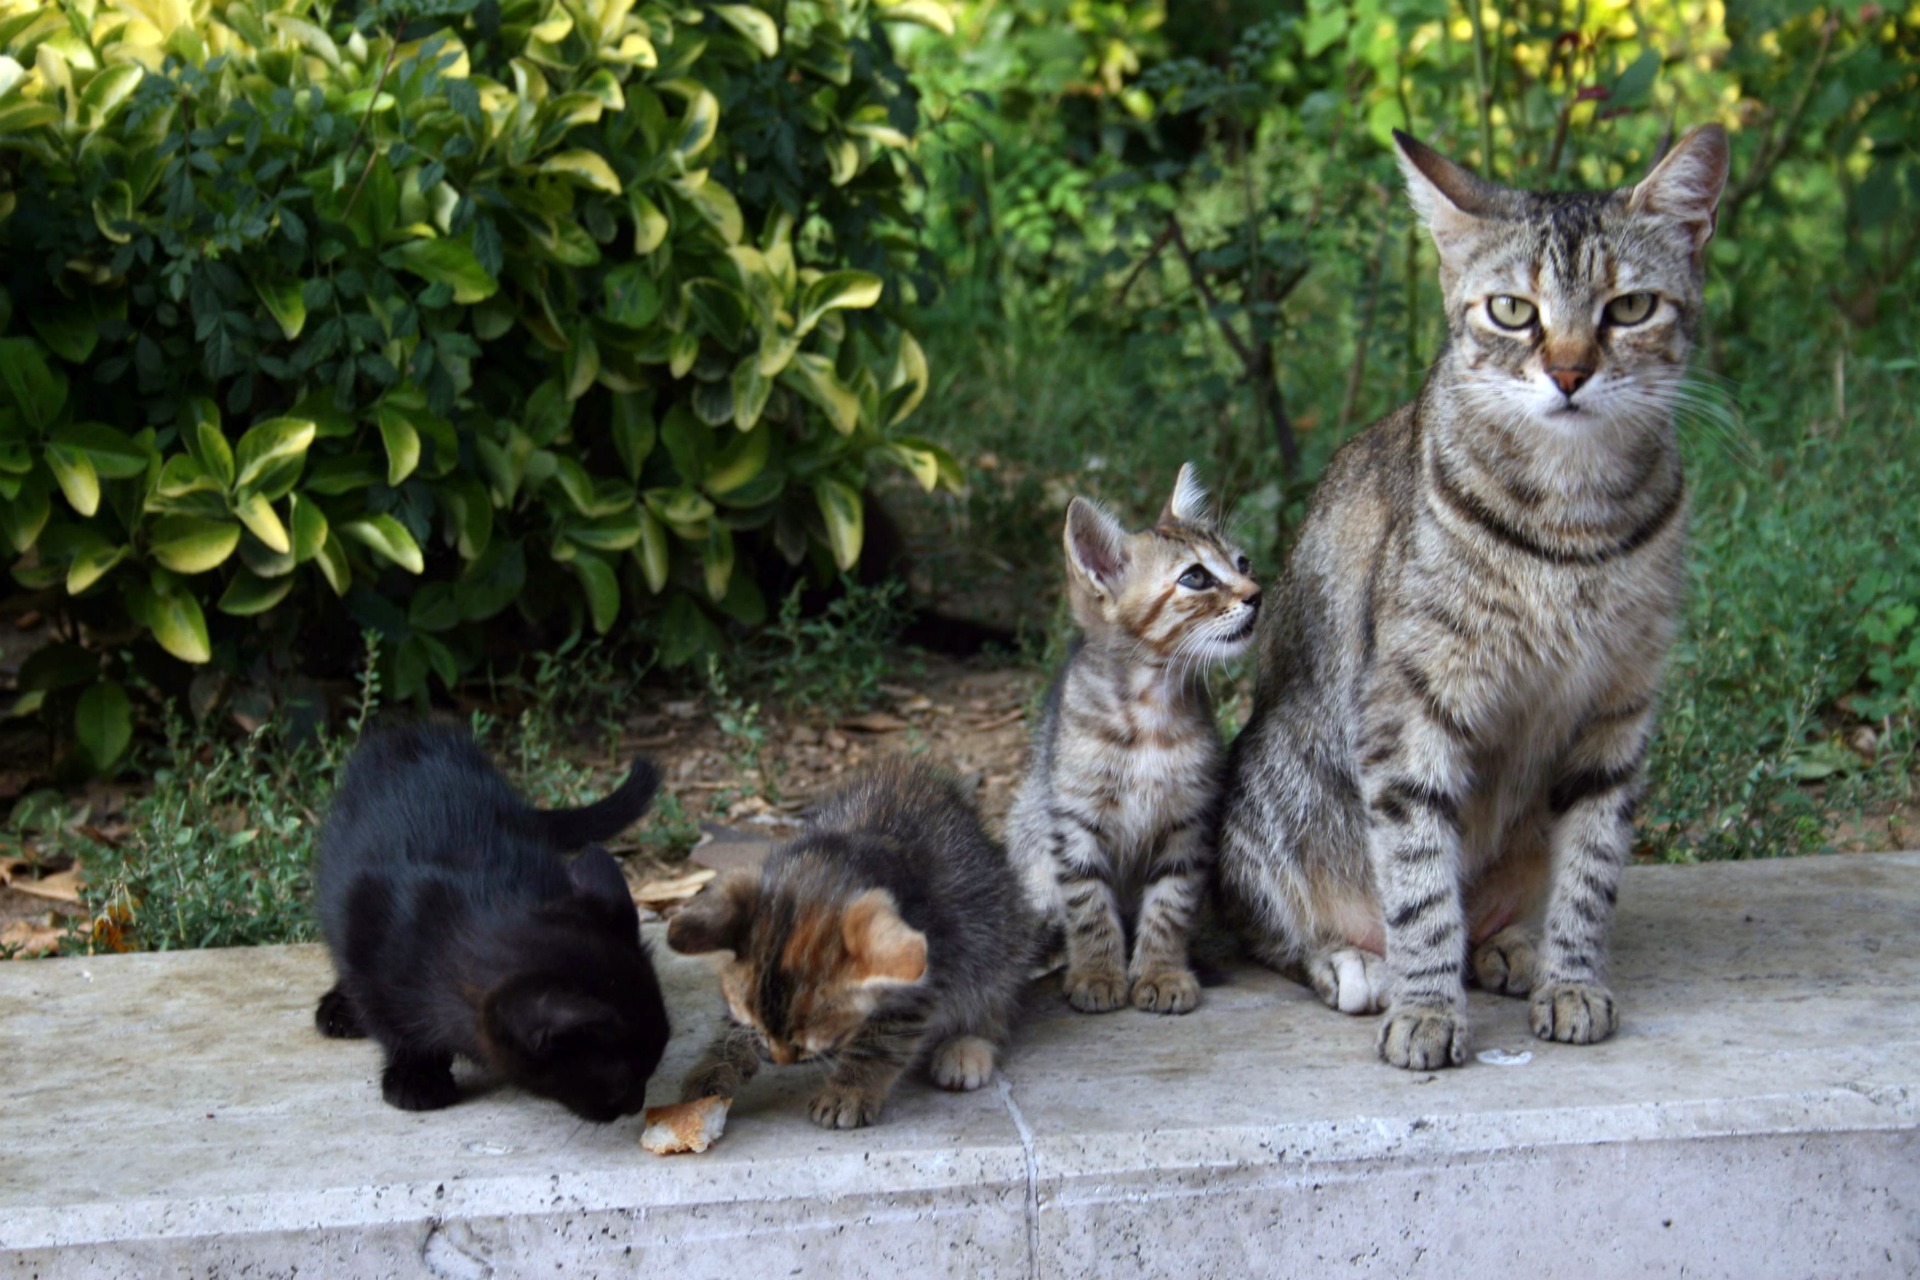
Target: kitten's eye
(1244, 565)
(1510, 312)
(1196, 579)
(1630, 308)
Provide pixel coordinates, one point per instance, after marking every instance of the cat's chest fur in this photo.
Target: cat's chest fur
(1137, 752)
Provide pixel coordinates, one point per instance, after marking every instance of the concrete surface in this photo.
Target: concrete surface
(176, 1115)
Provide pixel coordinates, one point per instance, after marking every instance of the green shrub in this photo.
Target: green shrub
(410, 314)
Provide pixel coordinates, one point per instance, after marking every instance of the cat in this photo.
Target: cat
(891, 929)
(1113, 824)
(456, 929)
(1457, 687)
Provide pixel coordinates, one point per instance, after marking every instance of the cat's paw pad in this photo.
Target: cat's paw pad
(1349, 979)
(1505, 963)
(1421, 1039)
(837, 1107)
(1096, 992)
(336, 1018)
(964, 1062)
(418, 1086)
(1574, 1013)
(1167, 991)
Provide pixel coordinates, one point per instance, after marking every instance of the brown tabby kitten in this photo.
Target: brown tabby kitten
(1457, 689)
(1113, 825)
(892, 928)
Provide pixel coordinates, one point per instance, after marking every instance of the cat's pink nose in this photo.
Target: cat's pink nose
(1569, 377)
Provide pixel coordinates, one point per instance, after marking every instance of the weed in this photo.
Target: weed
(834, 661)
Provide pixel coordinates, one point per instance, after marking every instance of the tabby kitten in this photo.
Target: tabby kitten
(456, 929)
(1457, 690)
(1113, 825)
(891, 929)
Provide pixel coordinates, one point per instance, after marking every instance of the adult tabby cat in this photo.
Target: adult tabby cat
(1113, 826)
(456, 929)
(1457, 681)
(891, 931)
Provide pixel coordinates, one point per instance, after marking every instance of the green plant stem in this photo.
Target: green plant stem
(1482, 89)
(366, 123)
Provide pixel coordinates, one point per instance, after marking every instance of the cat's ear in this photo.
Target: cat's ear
(1450, 199)
(1188, 503)
(1096, 545)
(530, 1015)
(1685, 186)
(719, 918)
(594, 874)
(881, 947)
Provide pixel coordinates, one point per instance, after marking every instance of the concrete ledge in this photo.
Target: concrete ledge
(1758, 1114)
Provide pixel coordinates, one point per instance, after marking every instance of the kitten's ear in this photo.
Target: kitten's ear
(1096, 545)
(530, 1015)
(719, 918)
(596, 875)
(1685, 186)
(880, 945)
(1188, 503)
(1450, 199)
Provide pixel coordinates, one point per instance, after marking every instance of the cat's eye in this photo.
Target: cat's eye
(1244, 565)
(1510, 312)
(1196, 579)
(1630, 308)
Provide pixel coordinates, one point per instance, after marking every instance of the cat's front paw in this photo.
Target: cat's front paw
(840, 1107)
(1096, 992)
(1349, 979)
(963, 1063)
(1574, 1012)
(336, 1018)
(1423, 1039)
(1504, 964)
(1166, 991)
(419, 1086)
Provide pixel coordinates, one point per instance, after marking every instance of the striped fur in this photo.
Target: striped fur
(891, 929)
(1457, 687)
(1113, 825)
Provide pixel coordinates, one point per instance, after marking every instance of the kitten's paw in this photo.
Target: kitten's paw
(1349, 979)
(336, 1018)
(963, 1063)
(1423, 1039)
(419, 1086)
(1167, 991)
(839, 1107)
(1574, 1012)
(1505, 963)
(1096, 992)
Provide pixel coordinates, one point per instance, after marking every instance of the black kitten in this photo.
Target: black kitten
(456, 928)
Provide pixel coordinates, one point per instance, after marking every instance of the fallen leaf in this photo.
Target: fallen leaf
(61, 886)
(31, 937)
(672, 890)
(875, 722)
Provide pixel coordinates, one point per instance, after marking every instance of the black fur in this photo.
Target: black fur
(457, 929)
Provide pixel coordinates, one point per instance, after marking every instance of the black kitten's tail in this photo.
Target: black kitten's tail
(603, 819)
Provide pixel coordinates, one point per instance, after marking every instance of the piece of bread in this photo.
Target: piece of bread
(685, 1126)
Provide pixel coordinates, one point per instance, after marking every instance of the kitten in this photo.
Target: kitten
(456, 928)
(1457, 692)
(1113, 825)
(891, 928)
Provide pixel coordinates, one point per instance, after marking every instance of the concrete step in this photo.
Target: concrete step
(176, 1115)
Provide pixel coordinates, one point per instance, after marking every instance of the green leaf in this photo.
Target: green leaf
(633, 431)
(909, 369)
(1635, 80)
(38, 391)
(447, 262)
(837, 290)
(258, 515)
(840, 508)
(471, 511)
(91, 561)
(177, 623)
(582, 168)
(812, 375)
(602, 589)
(268, 444)
(332, 560)
(402, 441)
(926, 13)
(109, 87)
(103, 724)
(924, 465)
(25, 516)
(387, 538)
(750, 391)
(684, 509)
(616, 532)
(700, 123)
(73, 471)
(686, 632)
(247, 595)
(741, 461)
(651, 552)
(633, 299)
(283, 302)
(716, 562)
(70, 332)
(114, 454)
(649, 224)
(756, 26)
(309, 528)
(189, 544)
